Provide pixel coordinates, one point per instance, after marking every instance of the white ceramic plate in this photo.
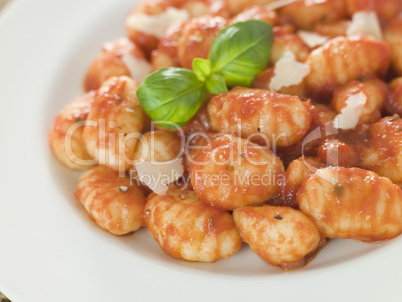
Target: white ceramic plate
(51, 251)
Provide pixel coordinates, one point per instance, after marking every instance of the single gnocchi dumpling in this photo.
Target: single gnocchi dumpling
(260, 115)
(110, 200)
(281, 236)
(383, 154)
(118, 58)
(117, 120)
(196, 38)
(66, 134)
(187, 228)
(341, 60)
(376, 92)
(231, 172)
(352, 203)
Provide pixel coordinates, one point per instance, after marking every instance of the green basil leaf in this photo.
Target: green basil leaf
(216, 84)
(241, 51)
(202, 68)
(171, 95)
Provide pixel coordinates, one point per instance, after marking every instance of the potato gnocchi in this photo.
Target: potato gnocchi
(187, 228)
(279, 235)
(329, 198)
(114, 203)
(227, 174)
(307, 149)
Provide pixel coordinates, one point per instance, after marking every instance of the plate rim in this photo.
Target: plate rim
(10, 16)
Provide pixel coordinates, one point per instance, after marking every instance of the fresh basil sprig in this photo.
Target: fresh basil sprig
(237, 55)
(171, 94)
(241, 51)
(215, 82)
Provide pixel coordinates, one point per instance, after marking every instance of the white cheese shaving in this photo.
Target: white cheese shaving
(312, 39)
(139, 68)
(365, 23)
(314, 2)
(156, 24)
(279, 4)
(350, 115)
(288, 72)
(157, 176)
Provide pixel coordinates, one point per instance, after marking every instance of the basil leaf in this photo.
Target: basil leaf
(171, 94)
(202, 68)
(216, 84)
(241, 51)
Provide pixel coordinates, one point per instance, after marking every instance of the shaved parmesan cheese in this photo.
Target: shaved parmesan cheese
(279, 4)
(365, 23)
(312, 39)
(157, 176)
(288, 72)
(156, 24)
(313, 2)
(349, 116)
(139, 68)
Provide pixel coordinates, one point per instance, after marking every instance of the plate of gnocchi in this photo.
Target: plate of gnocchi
(201, 150)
